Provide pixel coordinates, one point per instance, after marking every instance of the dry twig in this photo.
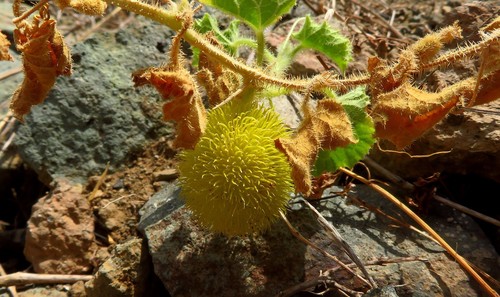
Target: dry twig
(24, 278)
(410, 187)
(299, 236)
(12, 289)
(337, 238)
(427, 228)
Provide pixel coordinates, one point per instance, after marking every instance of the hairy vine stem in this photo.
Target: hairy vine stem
(256, 75)
(461, 53)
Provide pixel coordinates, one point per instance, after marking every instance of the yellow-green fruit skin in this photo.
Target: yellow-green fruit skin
(235, 181)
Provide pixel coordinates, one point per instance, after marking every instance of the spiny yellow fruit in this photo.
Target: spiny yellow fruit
(235, 180)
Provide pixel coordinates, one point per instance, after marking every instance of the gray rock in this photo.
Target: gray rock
(264, 265)
(96, 116)
(387, 291)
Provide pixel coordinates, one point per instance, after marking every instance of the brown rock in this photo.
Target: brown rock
(166, 175)
(60, 232)
(128, 272)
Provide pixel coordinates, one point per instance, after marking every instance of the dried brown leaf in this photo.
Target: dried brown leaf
(219, 82)
(4, 48)
(45, 56)
(90, 7)
(328, 128)
(489, 88)
(185, 105)
(403, 115)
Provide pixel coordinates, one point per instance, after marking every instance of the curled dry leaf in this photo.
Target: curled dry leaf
(90, 7)
(4, 48)
(328, 128)
(490, 78)
(185, 105)
(402, 112)
(45, 56)
(406, 113)
(219, 82)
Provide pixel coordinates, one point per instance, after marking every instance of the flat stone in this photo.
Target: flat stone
(184, 252)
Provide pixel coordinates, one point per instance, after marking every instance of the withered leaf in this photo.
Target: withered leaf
(219, 82)
(328, 128)
(45, 56)
(489, 90)
(489, 82)
(4, 48)
(90, 7)
(406, 113)
(185, 105)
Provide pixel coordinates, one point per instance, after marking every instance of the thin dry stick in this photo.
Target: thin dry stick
(5, 123)
(397, 221)
(410, 187)
(378, 16)
(11, 289)
(326, 275)
(24, 278)
(344, 288)
(7, 143)
(117, 199)
(98, 25)
(479, 76)
(27, 13)
(299, 236)
(98, 184)
(10, 72)
(427, 228)
(337, 238)
(393, 15)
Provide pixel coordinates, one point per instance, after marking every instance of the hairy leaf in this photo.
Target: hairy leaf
(258, 14)
(226, 37)
(4, 48)
(354, 104)
(45, 56)
(325, 39)
(328, 127)
(406, 113)
(185, 105)
(490, 60)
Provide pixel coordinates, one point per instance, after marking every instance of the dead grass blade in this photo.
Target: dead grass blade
(487, 288)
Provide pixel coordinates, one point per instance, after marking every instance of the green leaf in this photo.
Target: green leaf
(325, 39)
(354, 103)
(258, 14)
(228, 37)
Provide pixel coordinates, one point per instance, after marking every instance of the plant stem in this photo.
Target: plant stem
(261, 46)
(169, 19)
(26, 14)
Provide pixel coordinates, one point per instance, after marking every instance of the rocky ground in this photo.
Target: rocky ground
(87, 184)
